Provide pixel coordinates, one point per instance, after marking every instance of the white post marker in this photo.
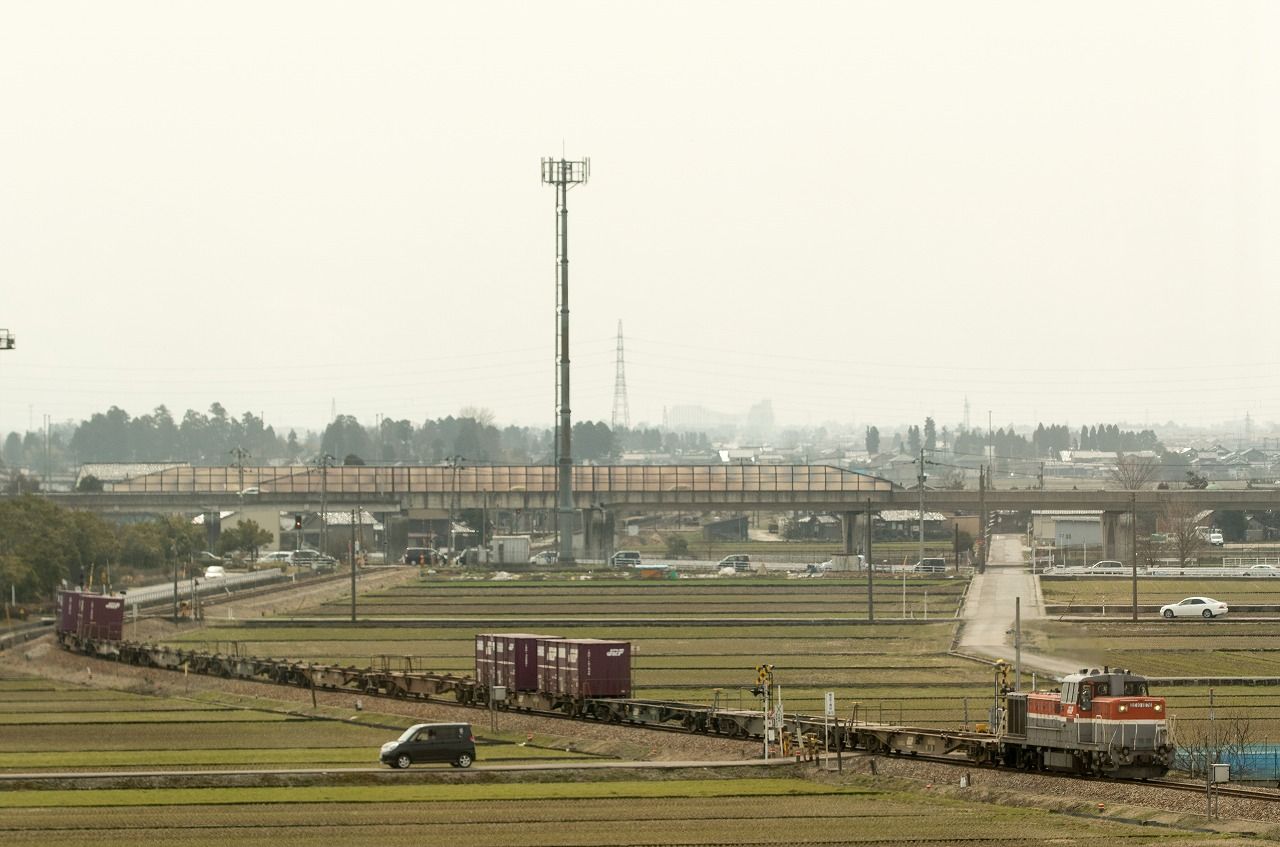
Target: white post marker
(828, 712)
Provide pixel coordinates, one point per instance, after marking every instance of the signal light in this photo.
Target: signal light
(297, 521)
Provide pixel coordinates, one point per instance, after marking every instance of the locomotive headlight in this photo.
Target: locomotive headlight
(1159, 707)
(1123, 707)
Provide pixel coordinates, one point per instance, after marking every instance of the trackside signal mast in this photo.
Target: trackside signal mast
(563, 174)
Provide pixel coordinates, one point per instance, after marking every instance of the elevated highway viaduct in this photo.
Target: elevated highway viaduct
(616, 490)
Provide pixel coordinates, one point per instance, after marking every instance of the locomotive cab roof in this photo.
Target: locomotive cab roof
(1119, 682)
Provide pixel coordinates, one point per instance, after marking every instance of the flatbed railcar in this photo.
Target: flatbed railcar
(1100, 722)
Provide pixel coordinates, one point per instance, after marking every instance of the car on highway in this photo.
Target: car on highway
(738, 561)
(1263, 570)
(1194, 607)
(625, 559)
(215, 572)
(1108, 568)
(275, 557)
(938, 565)
(544, 557)
(1215, 538)
(204, 557)
(431, 742)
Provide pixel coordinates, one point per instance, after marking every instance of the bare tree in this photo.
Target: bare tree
(1132, 473)
(953, 480)
(1178, 518)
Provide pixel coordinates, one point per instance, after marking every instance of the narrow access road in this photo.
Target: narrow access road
(990, 610)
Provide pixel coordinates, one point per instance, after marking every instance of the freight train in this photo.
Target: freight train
(1099, 722)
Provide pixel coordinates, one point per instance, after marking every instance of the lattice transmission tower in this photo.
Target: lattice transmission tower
(621, 411)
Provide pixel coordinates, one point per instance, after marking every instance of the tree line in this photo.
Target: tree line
(44, 545)
(220, 438)
(1045, 442)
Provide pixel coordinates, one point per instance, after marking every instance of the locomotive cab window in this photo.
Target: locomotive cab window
(1135, 688)
(1101, 689)
(1086, 697)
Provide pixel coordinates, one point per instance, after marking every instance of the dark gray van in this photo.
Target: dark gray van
(431, 742)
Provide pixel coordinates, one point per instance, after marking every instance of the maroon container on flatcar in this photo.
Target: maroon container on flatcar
(68, 609)
(589, 667)
(547, 657)
(509, 659)
(86, 615)
(101, 617)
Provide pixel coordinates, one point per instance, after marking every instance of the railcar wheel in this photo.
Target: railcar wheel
(403, 761)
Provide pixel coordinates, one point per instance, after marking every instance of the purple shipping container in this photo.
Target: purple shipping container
(86, 615)
(510, 659)
(588, 667)
(101, 617)
(68, 608)
(548, 650)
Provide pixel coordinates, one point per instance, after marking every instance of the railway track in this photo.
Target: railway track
(1263, 794)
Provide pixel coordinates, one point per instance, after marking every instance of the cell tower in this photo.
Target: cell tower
(621, 411)
(563, 175)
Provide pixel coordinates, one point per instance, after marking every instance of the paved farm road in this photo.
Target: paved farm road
(989, 609)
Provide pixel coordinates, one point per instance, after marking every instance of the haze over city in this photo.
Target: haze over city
(863, 212)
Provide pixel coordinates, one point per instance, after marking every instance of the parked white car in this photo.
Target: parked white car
(1195, 607)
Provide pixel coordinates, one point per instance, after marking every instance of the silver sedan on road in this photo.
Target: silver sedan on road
(1195, 607)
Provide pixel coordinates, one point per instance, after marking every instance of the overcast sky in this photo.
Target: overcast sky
(863, 211)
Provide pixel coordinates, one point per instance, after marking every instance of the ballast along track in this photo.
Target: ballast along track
(1102, 722)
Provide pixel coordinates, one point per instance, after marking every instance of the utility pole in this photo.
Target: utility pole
(1133, 546)
(454, 499)
(323, 463)
(982, 520)
(354, 513)
(240, 454)
(871, 583)
(920, 478)
(563, 175)
(1017, 643)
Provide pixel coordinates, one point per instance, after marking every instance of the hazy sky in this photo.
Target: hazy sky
(860, 210)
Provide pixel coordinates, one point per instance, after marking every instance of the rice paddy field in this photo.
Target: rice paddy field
(623, 810)
(1239, 593)
(693, 640)
(696, 640)
(57, 726)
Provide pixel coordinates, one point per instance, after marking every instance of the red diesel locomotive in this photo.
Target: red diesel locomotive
(1100, 722)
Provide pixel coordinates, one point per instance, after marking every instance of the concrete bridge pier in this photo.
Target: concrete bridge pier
(1116, 537)
(597, 533)
(853, 526)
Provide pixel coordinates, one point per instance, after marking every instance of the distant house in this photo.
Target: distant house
(1067, 527)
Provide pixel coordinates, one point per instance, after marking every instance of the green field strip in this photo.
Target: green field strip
(925, 632)
(180, 736)
(82, 706)
(250, 757)
(116, 798)
(190, 716)
(72, 694)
